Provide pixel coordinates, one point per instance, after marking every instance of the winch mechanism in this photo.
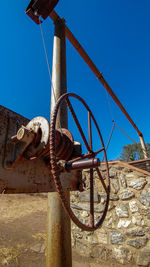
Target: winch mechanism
(57, 148)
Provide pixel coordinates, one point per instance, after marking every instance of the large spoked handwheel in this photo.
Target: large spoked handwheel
(92, 225)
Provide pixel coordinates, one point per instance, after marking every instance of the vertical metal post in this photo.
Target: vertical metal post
(58, 222)
(143, 146)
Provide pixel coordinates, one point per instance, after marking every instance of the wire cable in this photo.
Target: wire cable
(48, 66)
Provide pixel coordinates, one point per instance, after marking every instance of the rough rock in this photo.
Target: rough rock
(124, 223)
(99, 208)
(84, 214)
(133, 206)
(116, 237)
(102, 237)
(92, 240)
(112, 197)
(144, 257)
(123, 181)
(138, 220)
(115, 186)
(112, 172)
(74, 206)
(130, 175)
(122, 211)
(38, 248)
(123, 255)
(111, 222)
(135, 232)
(102, 253)
(85, 249)
(126, 194)
(138, 242)
(78, 235)
(137, 183)
(85, 197)
(148, 230)
(144, 198)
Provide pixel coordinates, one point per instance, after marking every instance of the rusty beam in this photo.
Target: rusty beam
(54, 16)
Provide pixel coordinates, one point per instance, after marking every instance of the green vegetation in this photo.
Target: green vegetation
(133, 152)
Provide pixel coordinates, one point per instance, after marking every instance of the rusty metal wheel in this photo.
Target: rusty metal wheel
(92, 225)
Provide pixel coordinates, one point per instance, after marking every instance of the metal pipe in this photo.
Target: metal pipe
(54, 16)
(58, 222)
(83, 164)
(143, 147)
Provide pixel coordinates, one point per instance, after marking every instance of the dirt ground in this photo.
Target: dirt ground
(23, 232)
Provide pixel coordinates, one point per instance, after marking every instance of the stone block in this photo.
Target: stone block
(92, 240)
(130, 175)
(83, 248)
(112, 172)
(101, 253)
(122, 211)
(112, 197)
(85, 197)
(138, 220)
(126, 194)
(138, 242)
(115, 186)
(144, 257)
(123, 223)
(99, 208)
(78, 235)
(133, 206)
(122, 255)
(144, 197)
(116, 237)
(135, 232)
(102, 237)
(123, 181)
(137, 183)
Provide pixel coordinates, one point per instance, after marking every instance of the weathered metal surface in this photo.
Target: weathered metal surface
(54, 16)
(93, 225)
(28, 176)
(83, 164)
(64, 145)
(40, 8)
(58, 221)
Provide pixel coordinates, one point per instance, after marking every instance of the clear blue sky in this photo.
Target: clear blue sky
(115, 34)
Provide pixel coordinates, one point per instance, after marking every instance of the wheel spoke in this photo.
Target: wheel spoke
(102, 181)
(77, 123)
(84, 156)
(91, 199)
(98, 151)
(90, 131)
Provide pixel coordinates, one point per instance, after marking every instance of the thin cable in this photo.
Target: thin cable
(109, 139)
(125, 133)
(110, 106)
(50, 76)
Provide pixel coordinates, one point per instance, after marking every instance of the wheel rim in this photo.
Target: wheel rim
(92, 226)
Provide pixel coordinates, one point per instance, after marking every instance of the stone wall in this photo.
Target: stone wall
(124, 237)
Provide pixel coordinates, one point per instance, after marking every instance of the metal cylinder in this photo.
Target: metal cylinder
(58, 222)
(83, 164)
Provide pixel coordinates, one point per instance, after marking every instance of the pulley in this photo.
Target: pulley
(36, 135)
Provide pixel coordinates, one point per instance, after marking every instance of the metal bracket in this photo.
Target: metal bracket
(40, 8)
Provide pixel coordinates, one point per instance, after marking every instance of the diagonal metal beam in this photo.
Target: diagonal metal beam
(54, 16)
